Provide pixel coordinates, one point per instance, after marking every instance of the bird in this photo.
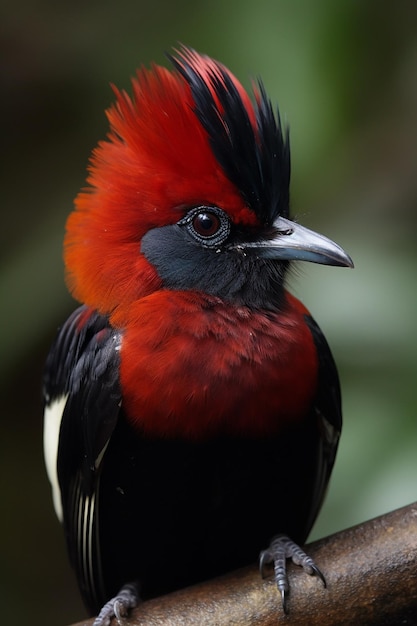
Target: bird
(192, 403)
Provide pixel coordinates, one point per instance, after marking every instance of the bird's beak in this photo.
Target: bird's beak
(291, 242)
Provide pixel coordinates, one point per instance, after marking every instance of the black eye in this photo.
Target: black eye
(206, 224)
(210, 226)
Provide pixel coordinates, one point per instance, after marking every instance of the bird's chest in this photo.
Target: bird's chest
(196, 371)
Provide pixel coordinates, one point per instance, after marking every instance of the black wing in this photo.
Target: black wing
(328, 412)
(82, 405)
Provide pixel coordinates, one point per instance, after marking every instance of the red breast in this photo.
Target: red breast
(193, 366)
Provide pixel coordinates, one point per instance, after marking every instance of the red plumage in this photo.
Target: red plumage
(157, 160)
(177, 343)
(192, 405)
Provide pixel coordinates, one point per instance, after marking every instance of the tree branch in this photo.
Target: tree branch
(371, 574)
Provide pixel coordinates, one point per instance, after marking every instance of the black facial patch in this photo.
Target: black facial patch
(256, 161)
(234, 275)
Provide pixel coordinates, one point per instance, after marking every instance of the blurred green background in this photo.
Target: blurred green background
(345, 76)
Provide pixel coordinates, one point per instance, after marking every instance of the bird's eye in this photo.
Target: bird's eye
(206, 224)
(210, 226)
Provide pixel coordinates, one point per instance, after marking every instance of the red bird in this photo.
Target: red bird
(192, 405)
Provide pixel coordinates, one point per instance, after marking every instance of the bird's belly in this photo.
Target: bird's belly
(185, 511)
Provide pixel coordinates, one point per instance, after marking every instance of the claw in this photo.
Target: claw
(264, 559)
(284, 601)
(317, 572)
(119, 606)
(120, 611)
(282, 548)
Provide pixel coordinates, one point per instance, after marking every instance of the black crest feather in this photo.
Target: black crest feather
(255, 158)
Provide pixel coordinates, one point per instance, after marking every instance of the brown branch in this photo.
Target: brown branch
(371, 573)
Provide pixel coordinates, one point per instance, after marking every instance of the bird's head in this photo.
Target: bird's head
(190, 191)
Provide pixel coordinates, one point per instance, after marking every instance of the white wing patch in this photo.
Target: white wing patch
(52, 424)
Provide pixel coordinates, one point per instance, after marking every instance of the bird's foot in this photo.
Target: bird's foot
(119, 606)
(280, 549)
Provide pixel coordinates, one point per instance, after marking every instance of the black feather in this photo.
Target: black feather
(83, 367)
(256, 160)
